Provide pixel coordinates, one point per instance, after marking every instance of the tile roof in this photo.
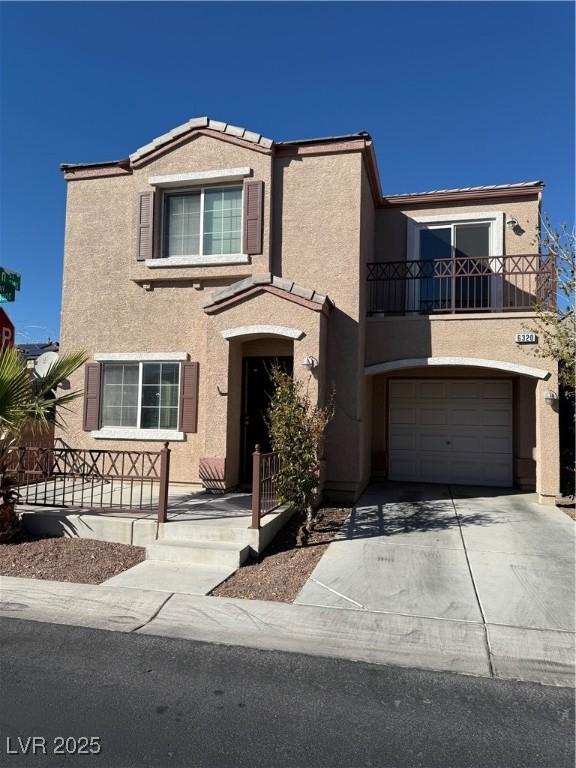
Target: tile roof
(266, 279)
(484, 188)
(202, 122)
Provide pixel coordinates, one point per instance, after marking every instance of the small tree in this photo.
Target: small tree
(297, 428)
(27, 402)
(555, 321)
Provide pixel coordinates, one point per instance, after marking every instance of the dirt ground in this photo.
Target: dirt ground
(84, 561)
(281, 571)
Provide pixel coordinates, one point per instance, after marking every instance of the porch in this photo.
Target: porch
(127, 497)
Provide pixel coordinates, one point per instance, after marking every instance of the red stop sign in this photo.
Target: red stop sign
(6, 330)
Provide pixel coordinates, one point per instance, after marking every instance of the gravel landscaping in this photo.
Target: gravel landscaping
(281, 571)
(83, 561)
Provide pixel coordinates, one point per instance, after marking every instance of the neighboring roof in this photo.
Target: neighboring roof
(36, 348)
(258, 283)
(488, 190)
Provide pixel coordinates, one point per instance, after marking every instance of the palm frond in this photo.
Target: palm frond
(33, 403)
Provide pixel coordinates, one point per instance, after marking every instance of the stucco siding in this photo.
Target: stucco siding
(391, 225)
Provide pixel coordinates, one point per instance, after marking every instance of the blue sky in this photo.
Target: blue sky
(454, 94)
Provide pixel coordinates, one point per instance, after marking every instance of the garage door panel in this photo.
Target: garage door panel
(433, 442)
(404, 468)
(403, 388)
(465, 416)
(501, 389)
(438, 416)
(401, 415)
(431, 389)
(497, 417)
(467, 443)
(502, 445)
(451, 431)
(404, 441)
(470, 389)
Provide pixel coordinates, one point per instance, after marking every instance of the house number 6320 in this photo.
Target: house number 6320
(526, 338)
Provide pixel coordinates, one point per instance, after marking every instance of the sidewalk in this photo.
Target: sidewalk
(381, 638)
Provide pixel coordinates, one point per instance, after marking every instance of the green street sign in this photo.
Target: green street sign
(9, 284)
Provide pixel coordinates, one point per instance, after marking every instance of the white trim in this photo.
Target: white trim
(263, 330)
(472, 362)
(496, 221)
(198, 177)
(137, 357)
(197, 261)
(448, 218)
(132, 433)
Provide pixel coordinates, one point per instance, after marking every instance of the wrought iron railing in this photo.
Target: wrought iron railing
(461, 284)
(265, 498)
(92, 479)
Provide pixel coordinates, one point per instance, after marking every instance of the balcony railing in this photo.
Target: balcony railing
(461, 284)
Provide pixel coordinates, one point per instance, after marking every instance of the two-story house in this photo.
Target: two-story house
(212, 251)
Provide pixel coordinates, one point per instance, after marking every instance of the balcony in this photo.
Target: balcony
(461, 285)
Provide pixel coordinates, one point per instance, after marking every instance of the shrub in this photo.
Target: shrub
(297, 426)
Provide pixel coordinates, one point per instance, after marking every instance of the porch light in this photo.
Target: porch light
(511, 223)
(309, 362)
(550, 396)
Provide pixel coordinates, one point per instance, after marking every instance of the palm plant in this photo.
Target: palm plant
(31, 403)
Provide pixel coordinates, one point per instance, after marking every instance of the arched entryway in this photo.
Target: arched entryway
(254, 351)
(456, 421)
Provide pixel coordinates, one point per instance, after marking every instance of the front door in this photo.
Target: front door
(256, 393)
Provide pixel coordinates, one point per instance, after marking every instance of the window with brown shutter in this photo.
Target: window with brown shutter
(145, 226)
(91, 396)
(189, 397)
(253, 208)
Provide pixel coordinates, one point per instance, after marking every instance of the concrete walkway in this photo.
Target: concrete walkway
(498, 560)
(378, 638)
(422, 576)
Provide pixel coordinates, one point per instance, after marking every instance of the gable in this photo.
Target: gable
(224, 132)
(249, 288)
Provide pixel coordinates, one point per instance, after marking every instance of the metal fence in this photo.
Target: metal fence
(265, 498)
(100, 480)
(461, 284)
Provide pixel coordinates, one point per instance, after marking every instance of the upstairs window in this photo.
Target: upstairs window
(140, 395)
(206, 222)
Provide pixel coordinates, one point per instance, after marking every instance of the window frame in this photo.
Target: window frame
(190, 190)
(137, 427)
(496, 243)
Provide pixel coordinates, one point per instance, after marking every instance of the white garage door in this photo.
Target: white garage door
(451, 431)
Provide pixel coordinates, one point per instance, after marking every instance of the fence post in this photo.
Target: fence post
(164, 483)
(256, 487)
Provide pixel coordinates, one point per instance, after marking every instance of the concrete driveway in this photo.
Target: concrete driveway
(456, 553)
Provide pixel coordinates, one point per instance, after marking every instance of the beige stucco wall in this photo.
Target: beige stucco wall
(322, 231)
(104, 310)
(485, 336)
(391, 225)
(320, 228)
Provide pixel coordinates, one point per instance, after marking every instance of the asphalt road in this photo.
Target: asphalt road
(160, 702)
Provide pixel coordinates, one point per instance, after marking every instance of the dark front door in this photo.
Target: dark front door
(256, 393)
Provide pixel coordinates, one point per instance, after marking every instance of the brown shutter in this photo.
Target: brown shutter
(189, 397)
(145, 226)
(253, 206)
(91, 396)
